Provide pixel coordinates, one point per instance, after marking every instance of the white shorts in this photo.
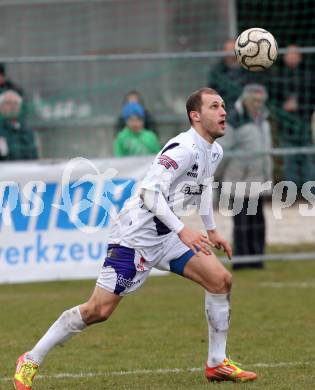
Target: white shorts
(125, 269)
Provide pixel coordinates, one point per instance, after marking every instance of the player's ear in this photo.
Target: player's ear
(195, 116)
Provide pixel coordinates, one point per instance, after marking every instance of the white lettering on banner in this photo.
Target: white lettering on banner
(8, 196)
(47, 213)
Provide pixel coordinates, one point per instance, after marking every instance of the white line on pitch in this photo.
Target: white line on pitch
(66, 375)
(293, 284)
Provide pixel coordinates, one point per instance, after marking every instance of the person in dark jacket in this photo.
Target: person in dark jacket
(16, 140)
(228, 77)
(295, 96)
(135, 97)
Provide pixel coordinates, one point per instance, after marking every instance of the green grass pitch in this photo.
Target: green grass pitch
(162, 328)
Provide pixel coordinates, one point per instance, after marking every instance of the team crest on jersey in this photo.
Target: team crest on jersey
(215, 156)
(192, 190)
(193, 170)
(167, 162)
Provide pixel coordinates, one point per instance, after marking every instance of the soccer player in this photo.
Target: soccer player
(147, 233)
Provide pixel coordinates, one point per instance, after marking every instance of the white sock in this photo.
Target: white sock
(217, 307)
(67, 325)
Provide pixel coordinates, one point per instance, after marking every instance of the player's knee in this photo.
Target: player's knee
(222, 284)
(101, 312)
(94, 312)
(227, 281)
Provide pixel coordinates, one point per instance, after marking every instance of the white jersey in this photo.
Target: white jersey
(182, 172)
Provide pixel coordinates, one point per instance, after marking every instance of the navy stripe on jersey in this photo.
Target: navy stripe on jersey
(171, 146)
(161, 228)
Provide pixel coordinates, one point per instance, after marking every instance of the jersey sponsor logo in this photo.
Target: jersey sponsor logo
(167, 162)
(195, 167)
(192, 190)
(193, 171)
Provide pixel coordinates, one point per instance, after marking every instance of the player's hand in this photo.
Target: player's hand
(196, 241)
(219, 242)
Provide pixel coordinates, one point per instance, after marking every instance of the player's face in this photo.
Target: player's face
(212, 115)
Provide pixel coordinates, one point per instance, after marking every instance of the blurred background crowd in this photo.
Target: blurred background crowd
(72, 82)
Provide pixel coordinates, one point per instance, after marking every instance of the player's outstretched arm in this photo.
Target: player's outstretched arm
(219, 242)
(195, 240)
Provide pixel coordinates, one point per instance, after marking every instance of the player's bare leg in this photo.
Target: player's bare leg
(98, 308)
(207, 271)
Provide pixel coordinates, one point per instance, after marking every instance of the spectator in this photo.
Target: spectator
(228, 77)
(295, 95)
(16, 141)
(249, 131)
(6, 84)
(134, 139)
(135, 97)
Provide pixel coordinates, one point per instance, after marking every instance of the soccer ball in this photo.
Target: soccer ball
(256, 49)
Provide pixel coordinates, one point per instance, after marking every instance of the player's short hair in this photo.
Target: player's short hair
(194, 102)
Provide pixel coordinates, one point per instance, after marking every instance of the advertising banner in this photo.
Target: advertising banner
(55, 216)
